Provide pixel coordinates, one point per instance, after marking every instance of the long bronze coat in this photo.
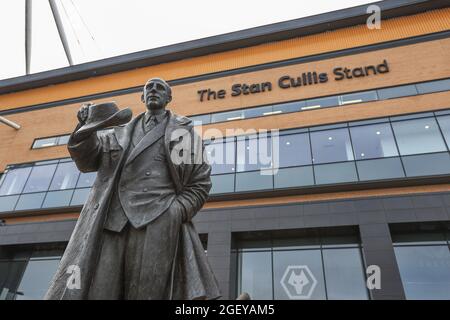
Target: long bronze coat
(192, 276)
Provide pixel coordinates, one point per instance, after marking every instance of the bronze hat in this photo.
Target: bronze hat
(105, 115)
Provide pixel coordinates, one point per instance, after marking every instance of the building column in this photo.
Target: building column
(378, 250)
(219, 257)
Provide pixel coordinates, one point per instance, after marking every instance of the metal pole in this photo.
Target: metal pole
(9, 123)
(60, 27)
(28, 29)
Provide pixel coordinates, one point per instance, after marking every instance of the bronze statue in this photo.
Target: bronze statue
(134, 238)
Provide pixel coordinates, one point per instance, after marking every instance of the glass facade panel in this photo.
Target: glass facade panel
(80, 196)
(66, 176)
(444, 124)
(310, 258)
(358, 97)
(247, 181)
(418, 136)
(222, 156)
(289, 107)
(331, 146)
(254, 153)
(201, 119)
(258, 112)
(227, 116)
(14, 181)
(344, 274)
(223, 183)
(396, 92)
(7, 203)
(86, 179)
(294, 150)
(294, 177)
(46, 142)
(427, 164)
(321, 103)
(62, 140)
(255, 269)
(57, 199)
(335, 173)
(40, 178)
(373, 141)
(378, 169)
(10, 275)
(425, 271)
(433, 86)
(30, 201)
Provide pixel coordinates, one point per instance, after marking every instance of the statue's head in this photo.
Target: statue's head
(157, 94)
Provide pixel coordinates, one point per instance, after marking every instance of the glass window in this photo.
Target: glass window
(444, 123)
(433, 86)
(358, 97)
(344, 274)
(294, 150)
(335, 173)
(255, 271)
(321, 103)
(427, 164)
(222, 156)
(57, 199)
(10, 275)
(203, 119)
(373, 141)
(7, 203)
(30, 201)
(63, 139)
(86, 179)
(289, 107)
(425, 271)
(36, 279)
(46, 142)
(66, 176)
(294, 177)
(310, 258)
(396, 92)
(80, 197)
(223, 183)
(258, 112)
(14, 180)
(247, 181)
(331, 146)
(379, 169)
(418, 136)
(254, 153)
(227, 116)
(40, 178)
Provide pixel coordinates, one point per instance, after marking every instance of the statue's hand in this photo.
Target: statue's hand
(83, 113)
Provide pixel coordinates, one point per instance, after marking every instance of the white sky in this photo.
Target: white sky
(104, 28)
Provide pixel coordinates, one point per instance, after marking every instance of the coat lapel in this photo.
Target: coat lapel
(123, 134)
(151, 137)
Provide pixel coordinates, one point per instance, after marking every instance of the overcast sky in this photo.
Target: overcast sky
(99, 29)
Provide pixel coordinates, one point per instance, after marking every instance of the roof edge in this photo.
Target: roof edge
(239, 39)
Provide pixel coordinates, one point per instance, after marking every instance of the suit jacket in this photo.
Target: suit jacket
(192, 276)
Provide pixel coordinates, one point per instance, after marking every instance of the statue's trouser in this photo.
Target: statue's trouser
(137, 263)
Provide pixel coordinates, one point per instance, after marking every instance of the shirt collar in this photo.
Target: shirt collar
(158, 118)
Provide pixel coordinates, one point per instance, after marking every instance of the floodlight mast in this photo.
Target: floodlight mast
(60, 27)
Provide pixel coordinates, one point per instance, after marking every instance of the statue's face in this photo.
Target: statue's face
(156, 95)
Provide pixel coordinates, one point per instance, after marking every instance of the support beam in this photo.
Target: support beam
(28, 35)
(9, 123)
(60, 27)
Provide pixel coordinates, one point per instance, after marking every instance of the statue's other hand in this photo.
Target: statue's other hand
(83, 113)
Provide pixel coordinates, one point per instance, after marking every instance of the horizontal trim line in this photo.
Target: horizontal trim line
(215, 75)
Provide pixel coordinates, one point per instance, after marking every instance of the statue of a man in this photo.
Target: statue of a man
(134, 238)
